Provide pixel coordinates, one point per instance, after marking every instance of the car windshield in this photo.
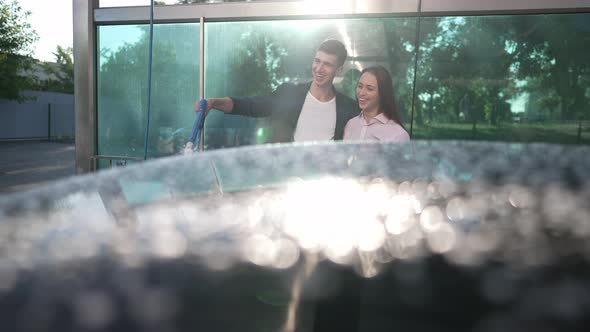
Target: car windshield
(428, 236)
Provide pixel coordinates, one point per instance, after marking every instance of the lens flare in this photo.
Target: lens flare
(431, 218)
(442, 239)
(399, 214)
(260, 250)
(456, 209)
(169, 243)
(371, 236)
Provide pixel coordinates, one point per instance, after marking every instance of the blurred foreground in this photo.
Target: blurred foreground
(424, 236)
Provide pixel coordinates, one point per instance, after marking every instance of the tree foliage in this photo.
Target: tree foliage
(470, 70)
(60, 75)
(122, 87)
(463, 71)
(551, 52)
(123, 82)
(16, 39)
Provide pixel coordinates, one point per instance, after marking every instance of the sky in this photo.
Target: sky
(52, 20)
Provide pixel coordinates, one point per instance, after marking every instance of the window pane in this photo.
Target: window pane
(254, 58)
(518, 78)
(122, 88)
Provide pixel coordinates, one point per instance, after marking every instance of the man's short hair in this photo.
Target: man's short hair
(334, 47)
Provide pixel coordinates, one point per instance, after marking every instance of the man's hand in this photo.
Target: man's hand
(223, 104)
(207, 108)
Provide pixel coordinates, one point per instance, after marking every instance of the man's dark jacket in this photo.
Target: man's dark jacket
(283, 107)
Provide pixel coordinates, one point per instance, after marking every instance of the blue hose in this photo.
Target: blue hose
(149, 88)
(198, 125)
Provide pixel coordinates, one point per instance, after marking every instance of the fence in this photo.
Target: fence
(50, 116)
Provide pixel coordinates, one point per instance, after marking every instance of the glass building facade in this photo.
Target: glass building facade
(461, 70)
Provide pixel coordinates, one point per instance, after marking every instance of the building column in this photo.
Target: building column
(84, 82)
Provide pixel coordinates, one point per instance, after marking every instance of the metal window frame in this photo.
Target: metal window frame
(232, 11)
(498, 7)
(84, 82)
(261, 10)
(87, 16)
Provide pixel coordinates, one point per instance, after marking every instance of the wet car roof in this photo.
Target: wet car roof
(301, 233)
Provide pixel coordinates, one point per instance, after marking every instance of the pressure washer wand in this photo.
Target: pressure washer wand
(194, 141)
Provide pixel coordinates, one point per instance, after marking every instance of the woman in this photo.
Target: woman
(379, 119)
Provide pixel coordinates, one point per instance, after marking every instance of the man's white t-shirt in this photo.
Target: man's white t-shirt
(317, 121)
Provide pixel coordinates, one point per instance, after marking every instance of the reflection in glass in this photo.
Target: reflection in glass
(519, 78)
(511, 78)
(254, 58)
(122, 87)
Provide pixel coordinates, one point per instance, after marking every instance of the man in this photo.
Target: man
(301, 112)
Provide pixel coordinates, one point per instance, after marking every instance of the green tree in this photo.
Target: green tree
(550, 53)
(16, 39)
(122, 88)
(61, 74)
(261, 57)
(464, 70)
(124, 76)
(399, 39)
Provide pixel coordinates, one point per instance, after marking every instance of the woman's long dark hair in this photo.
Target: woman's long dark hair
(387, 104)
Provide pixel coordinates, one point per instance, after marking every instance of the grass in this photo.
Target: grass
(562, 133)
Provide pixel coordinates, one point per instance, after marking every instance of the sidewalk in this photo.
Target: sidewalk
(26, 164)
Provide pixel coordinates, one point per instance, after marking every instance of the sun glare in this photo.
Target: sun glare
(336, 216)
(329, 6)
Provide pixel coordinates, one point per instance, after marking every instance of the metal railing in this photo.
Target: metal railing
(118, 161)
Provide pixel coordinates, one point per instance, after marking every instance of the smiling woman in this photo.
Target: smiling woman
(449, 83)
(379, 119)
(277, 52)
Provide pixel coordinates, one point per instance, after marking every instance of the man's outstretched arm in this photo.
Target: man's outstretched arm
(226, 105)
(254, 106)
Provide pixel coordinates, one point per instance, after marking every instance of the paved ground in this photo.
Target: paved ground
(24, 165)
